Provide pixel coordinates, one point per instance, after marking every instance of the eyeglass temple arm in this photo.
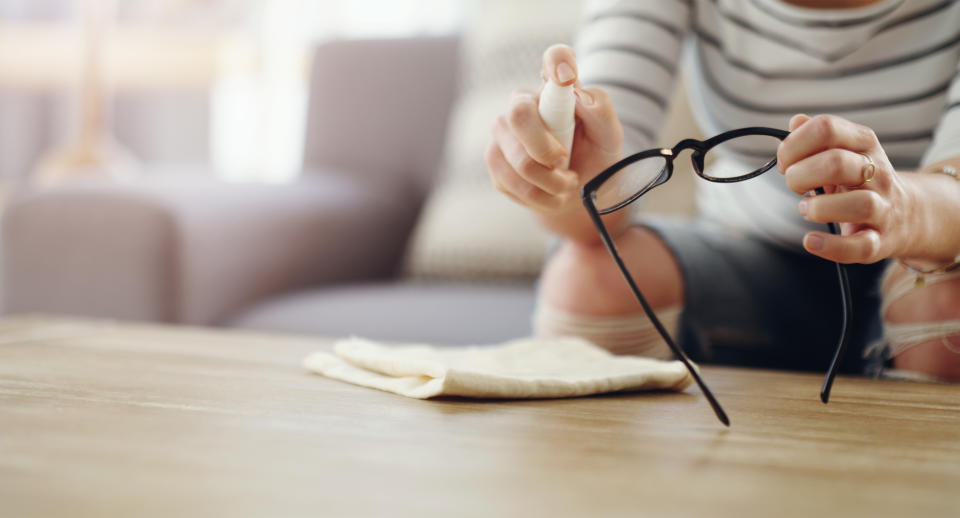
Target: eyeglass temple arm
(717, 409)
(845, 327)
(681, 355)
(608, 242)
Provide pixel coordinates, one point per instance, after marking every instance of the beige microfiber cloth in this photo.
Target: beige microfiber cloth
(525, 368)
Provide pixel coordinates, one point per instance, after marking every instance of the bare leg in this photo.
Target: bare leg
(583, 285)
(940, 302)
(584, 279)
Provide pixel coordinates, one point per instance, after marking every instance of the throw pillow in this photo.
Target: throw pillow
(467, 229)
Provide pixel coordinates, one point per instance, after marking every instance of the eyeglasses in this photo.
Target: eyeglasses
(626, 181)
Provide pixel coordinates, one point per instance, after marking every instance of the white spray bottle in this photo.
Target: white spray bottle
(556, 108)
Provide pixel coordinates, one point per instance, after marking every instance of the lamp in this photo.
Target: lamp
(91, 151)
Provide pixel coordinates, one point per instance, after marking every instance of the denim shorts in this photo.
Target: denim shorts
(749, 302)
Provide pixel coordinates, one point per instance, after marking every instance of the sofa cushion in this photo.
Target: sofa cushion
(439, 313)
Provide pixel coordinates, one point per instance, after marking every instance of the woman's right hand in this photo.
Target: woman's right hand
(524, 159)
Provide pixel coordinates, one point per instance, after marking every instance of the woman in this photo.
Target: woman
(750, 282)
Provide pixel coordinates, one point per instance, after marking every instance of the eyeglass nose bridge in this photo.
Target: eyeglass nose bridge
(698, 151)
(688, 143)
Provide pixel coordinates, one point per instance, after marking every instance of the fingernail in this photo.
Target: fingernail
(802, 207)
(565, 73)
(814, 242)
(584, 96)
(559, 162)
(795, 121)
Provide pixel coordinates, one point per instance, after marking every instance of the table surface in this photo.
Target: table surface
(100, 418)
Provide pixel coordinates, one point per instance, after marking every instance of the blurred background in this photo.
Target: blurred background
(216, 86)
(305, 166)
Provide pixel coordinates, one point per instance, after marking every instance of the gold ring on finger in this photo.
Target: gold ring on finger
(868, 171)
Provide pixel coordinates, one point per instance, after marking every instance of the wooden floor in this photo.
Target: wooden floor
(100, 419)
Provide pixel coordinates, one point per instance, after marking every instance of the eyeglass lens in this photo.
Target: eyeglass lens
(740, 156)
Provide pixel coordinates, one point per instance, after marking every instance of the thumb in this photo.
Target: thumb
(598, 118)
(560, 64)
(797, 120)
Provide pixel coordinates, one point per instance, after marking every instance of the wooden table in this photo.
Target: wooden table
(101, 419)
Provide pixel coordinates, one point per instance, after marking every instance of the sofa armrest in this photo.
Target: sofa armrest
(193, 251)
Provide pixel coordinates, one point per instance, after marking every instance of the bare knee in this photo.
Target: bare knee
(935, 306)
(584, 279)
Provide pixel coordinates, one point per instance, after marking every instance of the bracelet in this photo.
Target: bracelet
(920, 280)
(948, 170)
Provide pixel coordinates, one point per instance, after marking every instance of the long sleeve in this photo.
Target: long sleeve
(630, 48)
(946, 138)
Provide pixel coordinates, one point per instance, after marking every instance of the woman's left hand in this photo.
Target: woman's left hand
(874, 210)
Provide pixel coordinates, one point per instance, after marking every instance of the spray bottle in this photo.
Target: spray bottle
(556, 108)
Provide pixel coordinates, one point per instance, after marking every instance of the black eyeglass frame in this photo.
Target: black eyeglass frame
(699, 149)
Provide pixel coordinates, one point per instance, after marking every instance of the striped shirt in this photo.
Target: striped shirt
(893, 65)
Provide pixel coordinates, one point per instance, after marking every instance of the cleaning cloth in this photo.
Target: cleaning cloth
(524, 368)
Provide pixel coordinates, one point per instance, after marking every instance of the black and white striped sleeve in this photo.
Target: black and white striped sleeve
(630, 48)
(946, 138)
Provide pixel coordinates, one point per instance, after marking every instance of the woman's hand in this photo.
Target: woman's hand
(878, 218)
(524, 159)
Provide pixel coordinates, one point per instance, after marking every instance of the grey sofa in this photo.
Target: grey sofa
(320, 255)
